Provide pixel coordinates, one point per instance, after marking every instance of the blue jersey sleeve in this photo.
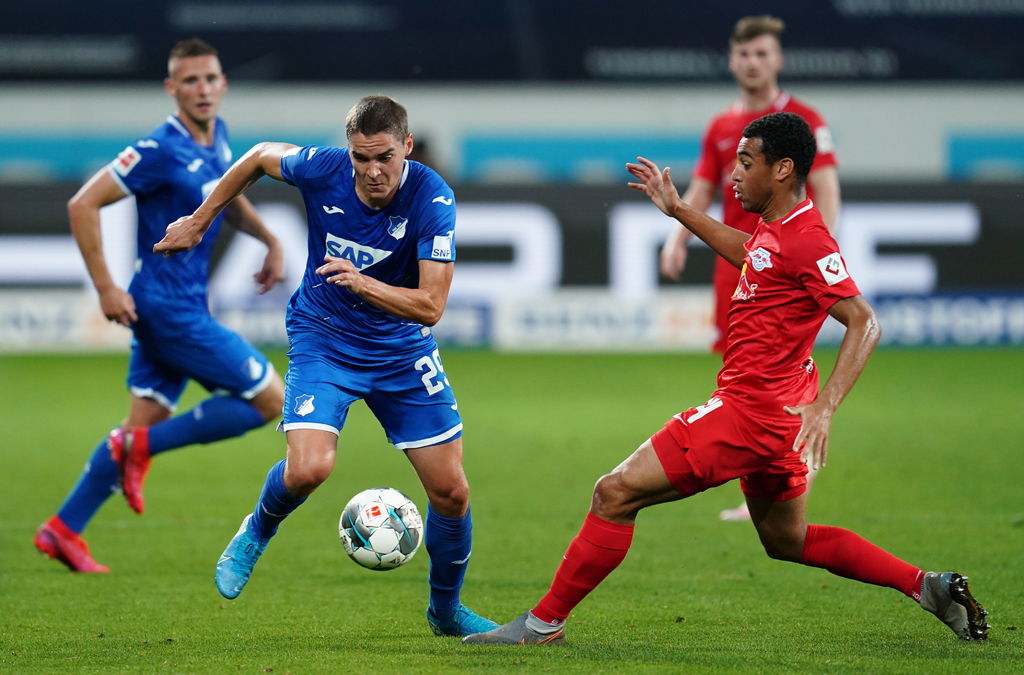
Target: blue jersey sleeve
(437, 234)
(140, 168)
(310, 163)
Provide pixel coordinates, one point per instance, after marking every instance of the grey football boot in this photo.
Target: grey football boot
(948, 597)
(516, 632)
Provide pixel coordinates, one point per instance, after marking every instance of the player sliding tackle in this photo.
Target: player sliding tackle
(766, 421)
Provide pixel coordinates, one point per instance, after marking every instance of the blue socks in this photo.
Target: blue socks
(98, 482)
(212, 420)
(449, 542)
(274, 505)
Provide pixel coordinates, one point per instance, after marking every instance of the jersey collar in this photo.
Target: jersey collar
(803, 206)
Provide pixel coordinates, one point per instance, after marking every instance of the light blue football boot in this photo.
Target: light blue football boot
(462, 622)
(237, 560)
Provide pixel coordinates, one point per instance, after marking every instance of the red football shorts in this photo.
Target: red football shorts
(714, 443)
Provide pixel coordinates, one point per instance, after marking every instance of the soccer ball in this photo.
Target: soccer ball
(381, 529)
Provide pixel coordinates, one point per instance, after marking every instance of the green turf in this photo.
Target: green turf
(926, 461)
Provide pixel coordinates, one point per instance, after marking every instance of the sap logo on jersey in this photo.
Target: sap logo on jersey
(359, 255)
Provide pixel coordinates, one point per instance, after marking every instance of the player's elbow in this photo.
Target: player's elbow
(431, 311)
(78, 207)
(431, 316)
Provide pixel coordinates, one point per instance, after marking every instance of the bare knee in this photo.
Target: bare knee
(449, 499)
(787, 546)
(302, 477)
(611, 499)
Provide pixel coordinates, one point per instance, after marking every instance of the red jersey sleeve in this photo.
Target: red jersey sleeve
(814, 261)
(826, 155)
(708, 166)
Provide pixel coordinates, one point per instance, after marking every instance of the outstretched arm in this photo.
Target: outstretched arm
(673, 252)
(84, 213)
(424, 304)
(241, 215)
(263, 159)
(862, 334)
(657, 184)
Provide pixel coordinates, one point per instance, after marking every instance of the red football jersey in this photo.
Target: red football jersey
(792, 274)
(718, 152)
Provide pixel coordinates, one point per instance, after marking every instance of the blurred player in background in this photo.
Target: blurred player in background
(755, 59)
(174, 338)
(378, 272)
(766, 420)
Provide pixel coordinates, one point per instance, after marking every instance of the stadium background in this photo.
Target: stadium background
(530, 110)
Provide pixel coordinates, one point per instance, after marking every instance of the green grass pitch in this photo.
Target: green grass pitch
(926, 461)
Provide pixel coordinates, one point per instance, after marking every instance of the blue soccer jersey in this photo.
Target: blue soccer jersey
(386, 244)
(170, 175)
(175, 338)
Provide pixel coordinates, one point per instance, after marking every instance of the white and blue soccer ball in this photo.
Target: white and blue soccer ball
(381, 529)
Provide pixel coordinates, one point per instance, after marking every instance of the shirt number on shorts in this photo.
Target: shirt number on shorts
(433, 379)
(702, 410)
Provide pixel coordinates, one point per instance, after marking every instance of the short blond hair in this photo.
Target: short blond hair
(750, 27)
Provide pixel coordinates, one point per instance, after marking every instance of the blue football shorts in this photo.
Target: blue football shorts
(166, 354)
(410, 396)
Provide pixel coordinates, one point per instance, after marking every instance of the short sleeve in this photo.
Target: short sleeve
(311, 162)
(707, 166)
(814, 260)
(140, 168)
(437, 233)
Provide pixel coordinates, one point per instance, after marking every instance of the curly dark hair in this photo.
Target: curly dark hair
(782, 135)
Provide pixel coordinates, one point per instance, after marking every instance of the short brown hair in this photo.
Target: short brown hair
(375, 114)
(190, 47)
(750, 27)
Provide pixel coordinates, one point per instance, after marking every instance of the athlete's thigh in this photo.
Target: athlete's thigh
(145, 412)
(781, 525)
(640, 480)
(318, 389)
(709, 445)
(149, 378)
(413, 400)
(219, 359)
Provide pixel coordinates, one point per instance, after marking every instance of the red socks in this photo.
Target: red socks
(848, 555)
(597, 550)
(601, 546)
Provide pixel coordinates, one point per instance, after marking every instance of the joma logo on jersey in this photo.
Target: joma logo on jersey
(359, 255)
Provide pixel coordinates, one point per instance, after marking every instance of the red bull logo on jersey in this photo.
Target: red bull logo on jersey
(760, 259)
(359, 255)
(744, 289)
